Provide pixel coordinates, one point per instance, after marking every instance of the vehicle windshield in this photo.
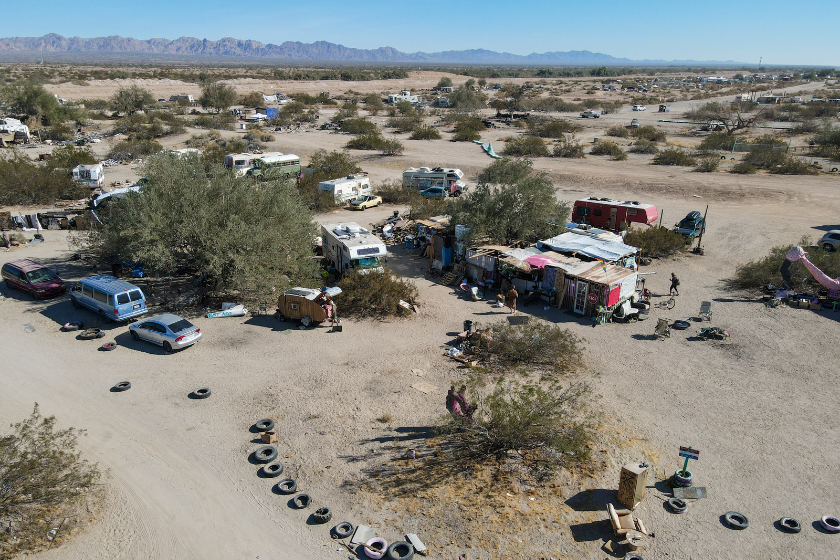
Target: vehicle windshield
(369, 262)
(40, 275)
(179, 326)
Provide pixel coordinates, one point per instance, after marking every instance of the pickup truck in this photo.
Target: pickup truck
(692, 225)
(590, 113)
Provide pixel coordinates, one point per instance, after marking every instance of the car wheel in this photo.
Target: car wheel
(167, 346)
(828, 247)
(343, 530)
(10, 286)
(134, 335)
(363, 207)
(74, 303)
(105, 317)
(379, 204)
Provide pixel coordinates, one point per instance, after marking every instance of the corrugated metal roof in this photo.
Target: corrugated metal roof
(612, 275)
(574, 243)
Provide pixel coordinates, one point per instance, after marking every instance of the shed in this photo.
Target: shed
(591, 285)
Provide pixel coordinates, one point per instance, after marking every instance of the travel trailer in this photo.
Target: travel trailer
(346, 188)
(611, 214)
(90, 175)
(349, 247)
(424, 177)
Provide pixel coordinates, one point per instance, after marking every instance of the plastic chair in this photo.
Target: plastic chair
(663, 329)
(706, 310)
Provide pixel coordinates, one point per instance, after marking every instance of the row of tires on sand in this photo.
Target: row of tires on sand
(739, 521)
(200, 393)
(374, 548)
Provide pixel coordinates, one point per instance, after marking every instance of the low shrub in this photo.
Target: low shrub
(357, 126)
(220, 121)
(743, 168)
(568, 149)
(425, 133)
(674, 156)
(466, 135)
(656, 242)
(394, 192)
(134, 149)
(718, 141)
(405, 123)
(390, 147)
(548, 426)
(618, 132)
(643, 146)
(368, 141)
(708, 164)
(767, 270)
(536, 343)
(375, 295)
(607, 148)
(525, 146)
(648, 132)
(554, 128)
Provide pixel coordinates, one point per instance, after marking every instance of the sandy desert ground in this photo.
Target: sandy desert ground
(180, 484)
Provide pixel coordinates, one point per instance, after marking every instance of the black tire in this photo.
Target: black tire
(633, 556)
(400, 550)
(302, 501)
(202, 393)
(134, 335)
(265, 454)
(343, 530)
(122, 386)
(321, 515)
(676, 505)
(167, 346)
(12, 288)
(288, 486)
(828, 247)
(790, 525)
(682, 479)
(105, 317)
(736, 520)
(272, 471)
(681, 325)
(90, 334)
(108, 346)
(265, 425)
(281, 317)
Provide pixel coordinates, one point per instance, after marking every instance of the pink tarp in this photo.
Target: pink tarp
(538, 261)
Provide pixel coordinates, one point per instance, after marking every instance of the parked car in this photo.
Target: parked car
(434, 192)
(365, 201)
(33, 278)
(167, 330)
(692, 225)
(634, 123)
(590, 113)
(831, 240)
(112, 298)
(639, 108)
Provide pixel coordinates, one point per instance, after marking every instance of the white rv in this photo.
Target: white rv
(424, 178)
(346, 188)
(184, 152)
(349, 247)
(90, 175)
(184, 96)
(13, 131)
(404, 95)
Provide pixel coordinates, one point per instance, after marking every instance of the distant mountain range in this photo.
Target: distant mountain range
(320, 51)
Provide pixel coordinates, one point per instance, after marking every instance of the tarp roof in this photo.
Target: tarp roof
(612, 275)
(577, 244)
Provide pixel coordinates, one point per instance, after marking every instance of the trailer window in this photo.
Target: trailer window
(597, 211)
(582, 211)
(632, 211)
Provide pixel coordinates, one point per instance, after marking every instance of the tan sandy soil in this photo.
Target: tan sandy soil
(760, 407)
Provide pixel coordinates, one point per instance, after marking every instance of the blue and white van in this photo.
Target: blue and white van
(114, 299)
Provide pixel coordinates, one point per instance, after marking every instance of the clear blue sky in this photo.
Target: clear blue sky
(782, 32)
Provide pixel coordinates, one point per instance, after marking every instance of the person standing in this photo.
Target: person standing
(675, 282)
(512, 295)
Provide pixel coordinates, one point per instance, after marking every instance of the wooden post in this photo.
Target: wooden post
(702, 231)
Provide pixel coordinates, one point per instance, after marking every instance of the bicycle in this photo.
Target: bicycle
(667, 304)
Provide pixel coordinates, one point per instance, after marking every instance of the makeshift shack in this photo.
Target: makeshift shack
(441, 246)
(585, 288)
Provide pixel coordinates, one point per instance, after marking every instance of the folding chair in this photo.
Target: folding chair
(663, 329)
(706, 310)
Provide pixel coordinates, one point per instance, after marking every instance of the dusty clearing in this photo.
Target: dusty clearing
(180, 483)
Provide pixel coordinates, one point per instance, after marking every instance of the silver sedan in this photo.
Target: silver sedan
(167, 330)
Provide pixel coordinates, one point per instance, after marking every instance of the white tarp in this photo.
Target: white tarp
(570, 242)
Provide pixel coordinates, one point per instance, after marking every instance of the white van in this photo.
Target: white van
(346, 188)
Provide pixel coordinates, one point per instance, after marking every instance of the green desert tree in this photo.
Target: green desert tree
(236, 233)
(129, 100)
(511, 203)
(217, 95)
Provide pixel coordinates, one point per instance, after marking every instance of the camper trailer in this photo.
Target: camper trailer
(404, 95)
(611, 214)
(349, 247)
(275, 165)
(422, 178)
(91, 175)
(243, 162)
(182, 96)
(346, 188)
(12, 131)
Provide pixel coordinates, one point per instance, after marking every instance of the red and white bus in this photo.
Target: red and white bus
(609, 214)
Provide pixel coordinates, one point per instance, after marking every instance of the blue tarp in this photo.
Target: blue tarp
(570, 242)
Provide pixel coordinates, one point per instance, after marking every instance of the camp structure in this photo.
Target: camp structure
(300, 304)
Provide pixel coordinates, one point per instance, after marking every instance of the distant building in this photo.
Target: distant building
(404, 95)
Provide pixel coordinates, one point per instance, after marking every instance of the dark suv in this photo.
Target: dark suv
(692, 225)
(32, 277)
